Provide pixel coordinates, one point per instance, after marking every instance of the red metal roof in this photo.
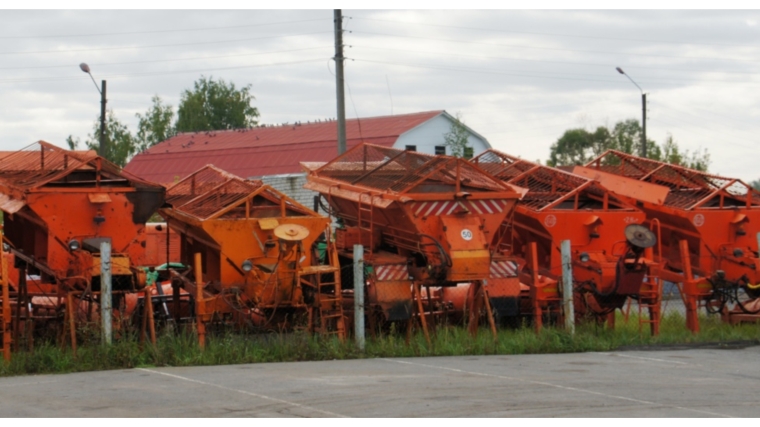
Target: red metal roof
(267, 150)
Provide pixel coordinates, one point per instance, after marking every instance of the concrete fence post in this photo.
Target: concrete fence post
(567, 286)
(359, 295)
(106, 299)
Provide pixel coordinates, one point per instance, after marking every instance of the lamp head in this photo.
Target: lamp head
(619, 70)
(84, 67)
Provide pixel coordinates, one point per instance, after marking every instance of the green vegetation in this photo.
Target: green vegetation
(210, 105)
(457, 139)
(579, 146)
(230, 348)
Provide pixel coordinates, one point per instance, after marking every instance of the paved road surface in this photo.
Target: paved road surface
(685, 383)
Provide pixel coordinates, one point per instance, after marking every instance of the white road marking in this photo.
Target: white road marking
(260, 396)
(647, 358)
(630, 399)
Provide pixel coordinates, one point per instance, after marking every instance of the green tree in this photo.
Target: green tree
(214, 104)
(755, 184)
(579, 146)
(155, 126)
(120, 144)
(671, 153)
(457, 138)
(72, 142)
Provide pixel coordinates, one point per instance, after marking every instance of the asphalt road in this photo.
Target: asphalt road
(672, 383)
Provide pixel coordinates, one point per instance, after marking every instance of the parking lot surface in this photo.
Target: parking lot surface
(674, 383)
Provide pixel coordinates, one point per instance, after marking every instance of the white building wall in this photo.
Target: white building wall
(429, 134)
(292, 185)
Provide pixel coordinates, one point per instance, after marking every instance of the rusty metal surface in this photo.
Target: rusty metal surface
(57, 195)
(42, 167)
(394, 171)
(211, 192)
(546, 186)
(207, 191)
(689, 188)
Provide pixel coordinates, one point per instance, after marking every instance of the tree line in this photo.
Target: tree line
(209, 105)
(579, 146)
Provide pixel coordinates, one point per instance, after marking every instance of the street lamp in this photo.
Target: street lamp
(643, 114)
(102, 147)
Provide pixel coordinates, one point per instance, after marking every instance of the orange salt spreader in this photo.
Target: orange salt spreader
(424, 221)
(58, 207)
(607, 240)
(253, 251)
(709, 229)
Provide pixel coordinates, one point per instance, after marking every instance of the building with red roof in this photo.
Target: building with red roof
(274, 153)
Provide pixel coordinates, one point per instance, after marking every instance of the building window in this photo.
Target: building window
(440, 150)
(468, 152)
(411, 148)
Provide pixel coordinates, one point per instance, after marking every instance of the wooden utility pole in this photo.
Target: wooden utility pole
(338, 19)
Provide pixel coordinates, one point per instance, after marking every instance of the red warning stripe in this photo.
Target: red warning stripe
(391, 272)
(447, 207)
(503, 269)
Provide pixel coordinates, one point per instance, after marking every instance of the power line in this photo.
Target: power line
(162, 31)
(160, 73)
(450, 54)
(160, 45)
(167, 60)
(692, 124)
(429, 67)
(533, 75)
(554, 48)
(702, 119)
(553, 34)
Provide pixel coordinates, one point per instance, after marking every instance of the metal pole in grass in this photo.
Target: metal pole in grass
(567, 286)
(105, 290)
(200, 308)
(359, 295)
(5, 324)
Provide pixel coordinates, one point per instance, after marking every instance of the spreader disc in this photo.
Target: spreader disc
(291, 232)
(640, 236)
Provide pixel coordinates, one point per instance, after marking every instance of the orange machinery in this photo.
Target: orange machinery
(423, 220)
(161, 245)
(255, 248)
(58, 207)
(608, 259)
(709, 229)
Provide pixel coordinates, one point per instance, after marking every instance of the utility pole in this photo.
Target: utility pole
(338, 19)
(643, 125)
(102, 147)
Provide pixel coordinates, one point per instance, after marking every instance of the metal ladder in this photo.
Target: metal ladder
(328, 299)
(650, 299)
(368, 210)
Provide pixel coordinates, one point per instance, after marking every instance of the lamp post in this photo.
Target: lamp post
(102, 147)
(643, 114)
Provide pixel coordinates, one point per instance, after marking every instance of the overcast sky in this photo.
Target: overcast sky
(519, 78)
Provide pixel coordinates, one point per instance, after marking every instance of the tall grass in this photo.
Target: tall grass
(233, 348)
